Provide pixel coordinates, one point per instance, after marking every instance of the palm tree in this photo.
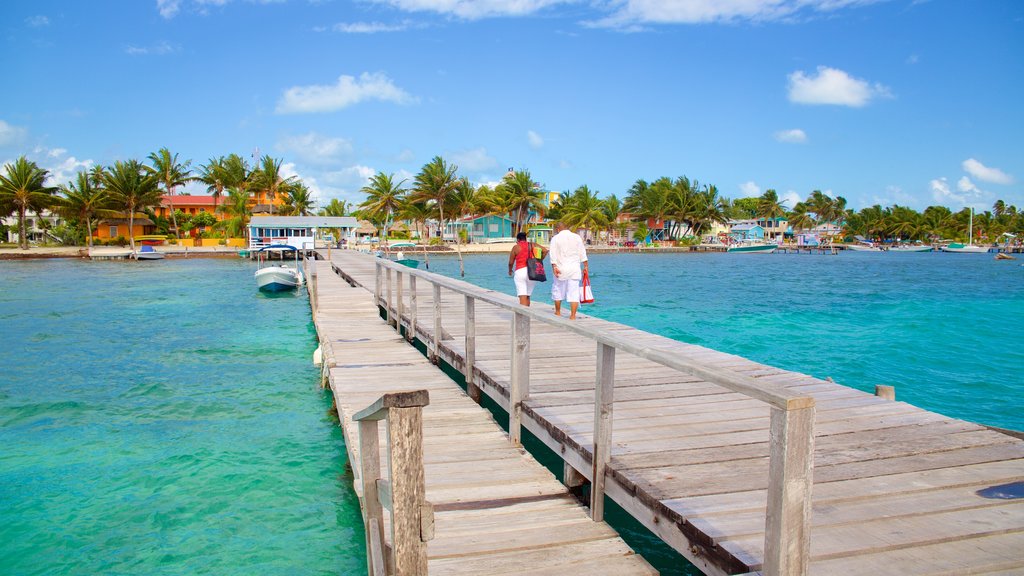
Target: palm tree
(268, 179)
(585, 210)
(383, 198)
(213, 175)
(710, 209)
(298, 201)
(23, 188)
(335, 208)
(769, 206)
(799, 218)
(133, 187)
(83, 201)
(612, 208)
(522, 195)
(435, 182)
(171, 174)
(238, 212)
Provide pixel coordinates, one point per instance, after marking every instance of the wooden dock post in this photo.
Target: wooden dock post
(389, 309)
(411, 334)
(404, 494)
(471, 388)
(520, 368)
(787, 537)
(604, 397)
(377, 283)
(887, 392)
(401, 301)
(436, 353)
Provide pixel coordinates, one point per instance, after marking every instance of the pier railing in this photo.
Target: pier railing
(403, 494)
(791, 428)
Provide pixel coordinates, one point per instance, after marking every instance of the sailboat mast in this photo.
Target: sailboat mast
(970, 229)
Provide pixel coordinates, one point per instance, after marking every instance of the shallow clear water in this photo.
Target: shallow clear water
(164, 418)
(947, 330)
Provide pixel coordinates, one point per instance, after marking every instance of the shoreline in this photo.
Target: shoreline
(105, 252)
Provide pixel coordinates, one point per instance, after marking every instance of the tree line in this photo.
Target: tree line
(131, 187)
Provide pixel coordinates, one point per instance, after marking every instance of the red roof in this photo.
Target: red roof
(187, 201)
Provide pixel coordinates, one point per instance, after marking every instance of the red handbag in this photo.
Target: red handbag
(587, 293)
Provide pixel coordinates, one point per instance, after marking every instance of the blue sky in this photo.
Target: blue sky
(915, 102)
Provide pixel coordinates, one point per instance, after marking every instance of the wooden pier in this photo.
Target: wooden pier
(465, 500)
(739, 466)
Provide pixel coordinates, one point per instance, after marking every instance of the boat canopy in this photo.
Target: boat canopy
(278, 247)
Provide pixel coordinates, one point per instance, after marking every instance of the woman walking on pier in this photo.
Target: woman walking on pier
(517, 266)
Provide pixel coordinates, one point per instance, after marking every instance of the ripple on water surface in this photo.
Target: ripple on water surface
(165, 420)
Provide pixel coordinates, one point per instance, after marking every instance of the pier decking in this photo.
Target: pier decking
(895, 488)
(495, 509)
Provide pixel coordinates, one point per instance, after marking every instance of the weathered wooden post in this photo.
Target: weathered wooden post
(886, 392)
(411, 334)
(604, 397)
(436, 358)
(520, 385)
(401, 300)
(376, 283)
(390, 314)
(787, 538)
(369, 456)
(471, 388)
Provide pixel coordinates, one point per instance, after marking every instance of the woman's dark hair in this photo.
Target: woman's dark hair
(521, 237)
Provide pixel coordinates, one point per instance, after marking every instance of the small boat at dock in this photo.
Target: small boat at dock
(911, 248)
(752, 248)
(278, 277)
(146, 252)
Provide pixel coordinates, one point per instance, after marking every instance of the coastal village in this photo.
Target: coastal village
(249, 207)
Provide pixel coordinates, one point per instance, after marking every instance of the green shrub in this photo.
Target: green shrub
(435, 241)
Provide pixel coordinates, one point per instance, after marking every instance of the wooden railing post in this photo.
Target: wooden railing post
(401, 301)
(470, 359)
(411, 334)
(376, 283)
(405, 444)
(520, 385)
(369, 456)
(787, 537)
(604, 397)
(437, 324)
(388, 304)
(404, 493)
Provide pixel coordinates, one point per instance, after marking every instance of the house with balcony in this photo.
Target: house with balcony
(302, 232)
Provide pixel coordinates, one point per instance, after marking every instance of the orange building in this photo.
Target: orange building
(188, 204)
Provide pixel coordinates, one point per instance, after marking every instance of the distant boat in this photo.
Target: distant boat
(865, 246)
(911, 248)
(276, 278)
(147, 252)
(968, 248)
(402, 244)
(752, 248)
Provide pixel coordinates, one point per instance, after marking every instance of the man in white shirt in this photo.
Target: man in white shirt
(569, 263)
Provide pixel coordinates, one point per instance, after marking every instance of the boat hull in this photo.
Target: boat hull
(965, 249)
(911, 249)
(277, 279)
(862, 248)
(755, 249)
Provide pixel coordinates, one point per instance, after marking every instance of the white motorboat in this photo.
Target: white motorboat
(864, 246)
(911, 248)
(148, 253)
(752, 248)
(969, 248)
(278, 277)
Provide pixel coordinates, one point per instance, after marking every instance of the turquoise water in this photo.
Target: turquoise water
(945, 329)
(164, 418)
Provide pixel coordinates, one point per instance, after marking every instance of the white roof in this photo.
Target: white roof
(303, 222)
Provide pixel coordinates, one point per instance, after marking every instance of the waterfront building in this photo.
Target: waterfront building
(38, 227)
(302, 232)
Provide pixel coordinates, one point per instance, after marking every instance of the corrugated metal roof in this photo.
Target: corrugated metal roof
(303, 222)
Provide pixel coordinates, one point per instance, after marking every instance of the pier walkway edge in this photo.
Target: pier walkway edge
(739, 466)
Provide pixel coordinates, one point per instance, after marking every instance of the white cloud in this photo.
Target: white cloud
(535, 139)
(792, 136)
(315, 148)
(965, 185)
(405, 155)
(37, 21)
(11, 135)
(159, 49)
(790, 198)
(474, 9)
(346, 92)
(966, 192)
(168, 8)
(369, 27)
(350, 178)
(986, 174)
(62, 168)
(832, 86)
(476, 160)
(632, 12)
(750, 189)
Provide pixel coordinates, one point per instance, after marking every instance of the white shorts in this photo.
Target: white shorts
(524, 286)
(568, 290)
